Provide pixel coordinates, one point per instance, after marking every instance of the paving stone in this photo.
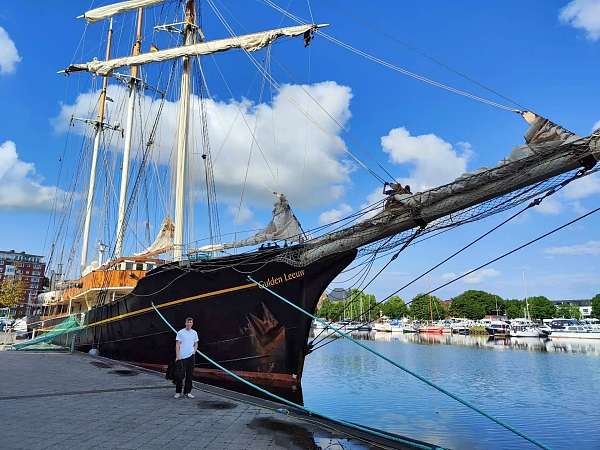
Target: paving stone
(63, 401)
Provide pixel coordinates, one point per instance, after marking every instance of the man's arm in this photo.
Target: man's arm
(196, 344)
(177, 348)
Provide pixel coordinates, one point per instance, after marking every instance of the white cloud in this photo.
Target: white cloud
(20, 188)
(434, 161)
(584, 15)
(474, 278)
(590, 248)
(584, 187)
(241, 214)
(550, 206)
(335, 214)
(370, 202)
(9, 56)
(299, 159)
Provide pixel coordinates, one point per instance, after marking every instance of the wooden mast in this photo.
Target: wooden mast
(189, 33)
(133, 87)
(99, 126)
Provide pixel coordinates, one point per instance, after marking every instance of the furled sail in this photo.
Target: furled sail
(164, 240)
(550, 150)
(105, 12)
(283, 226)
(248, 42)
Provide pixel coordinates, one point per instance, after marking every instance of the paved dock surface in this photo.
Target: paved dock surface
(63, 400)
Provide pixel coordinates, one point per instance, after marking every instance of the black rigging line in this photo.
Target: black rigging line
(533, 203)
(504, 255)
(392, 259)
(375, 27)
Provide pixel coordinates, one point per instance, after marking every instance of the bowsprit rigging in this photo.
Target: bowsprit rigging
(244, 328)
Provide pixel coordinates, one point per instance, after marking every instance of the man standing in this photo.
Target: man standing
(186, 344)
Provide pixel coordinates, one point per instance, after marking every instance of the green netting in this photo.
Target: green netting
(69, 325)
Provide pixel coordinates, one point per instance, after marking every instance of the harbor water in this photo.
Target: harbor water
(548, 389)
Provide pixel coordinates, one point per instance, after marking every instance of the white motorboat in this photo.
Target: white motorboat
(570, 328)
(383, 326)
(409, 328)
(396, 326)
(525, 331)
(575, 331)
(498, 328)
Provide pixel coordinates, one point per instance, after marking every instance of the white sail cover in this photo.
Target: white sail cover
(105, 12)
(163, 241)
(283, 226)
(248, 42)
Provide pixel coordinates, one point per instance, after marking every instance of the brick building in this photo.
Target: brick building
(28, 268)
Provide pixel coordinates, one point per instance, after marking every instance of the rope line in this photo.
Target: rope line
(533, 203)
(391, 66)
(369, 430)
(405, 369)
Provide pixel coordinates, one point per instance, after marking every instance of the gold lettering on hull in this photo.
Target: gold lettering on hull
(274, 280)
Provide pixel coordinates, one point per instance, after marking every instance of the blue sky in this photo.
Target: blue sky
(543, 54)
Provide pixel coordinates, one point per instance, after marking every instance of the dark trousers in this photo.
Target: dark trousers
(188, 364)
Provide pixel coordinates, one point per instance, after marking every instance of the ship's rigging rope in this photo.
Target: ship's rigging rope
(405, 369)
(366, 24)
(276, 85)
(394, 67)
(260, 96)
(537, 201)
(209, 179)
(459, 277)
(100, 299)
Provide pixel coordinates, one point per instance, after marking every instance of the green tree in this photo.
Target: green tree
(568, 311)
(331, 310)
(541, 308)
(12, 292)
(420, 307)
(514, 308)
(596, 306)
(493, 304)
(469, 304)
(394, 308)
(357, 302)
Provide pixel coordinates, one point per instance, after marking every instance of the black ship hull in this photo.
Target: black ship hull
(244, 328)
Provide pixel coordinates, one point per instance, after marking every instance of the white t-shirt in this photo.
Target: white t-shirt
(187, 339)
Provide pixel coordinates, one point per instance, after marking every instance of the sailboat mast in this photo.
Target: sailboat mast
(189, 33)
(527, 316)
(98, 134)
(133, 87)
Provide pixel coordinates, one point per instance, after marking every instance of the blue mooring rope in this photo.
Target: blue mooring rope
(352, 425)
(410, 372)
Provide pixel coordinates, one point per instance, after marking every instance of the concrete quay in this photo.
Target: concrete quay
(71, 400)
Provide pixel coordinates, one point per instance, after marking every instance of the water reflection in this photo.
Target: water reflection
(545, 388)
(548, 345)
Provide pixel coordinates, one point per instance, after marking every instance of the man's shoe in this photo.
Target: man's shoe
(189, 396)
(178, 395)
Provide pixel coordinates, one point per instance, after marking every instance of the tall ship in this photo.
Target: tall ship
(243, 327)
